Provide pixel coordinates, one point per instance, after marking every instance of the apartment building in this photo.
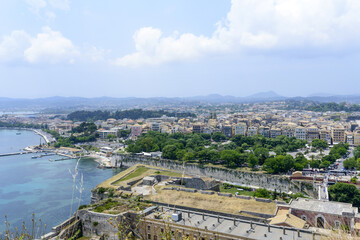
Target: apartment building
(240, 129)
(136, 131)
(356, 135)
(350, 138)
(312, 133)
(338, 134)
(155, 126)
(198, 128)
(300, 133)
(274, 132)
(288, 131)
(252, 131)
(325, 135)
(227, 130)
(264, 131)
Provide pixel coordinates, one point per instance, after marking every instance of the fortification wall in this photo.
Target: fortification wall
(250, 179)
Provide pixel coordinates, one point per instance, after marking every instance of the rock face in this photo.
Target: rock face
(270, 182)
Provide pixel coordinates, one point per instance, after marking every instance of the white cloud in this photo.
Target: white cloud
(51, 47)
(93, 53)
(50, 16)
(60, 4)
(47, 47)
(12, 47)
(36, 5)
(260, 25)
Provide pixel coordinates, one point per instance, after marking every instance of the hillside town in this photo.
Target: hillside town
(284, 172)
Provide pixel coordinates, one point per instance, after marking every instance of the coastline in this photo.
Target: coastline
(103, 162)
(36, 131)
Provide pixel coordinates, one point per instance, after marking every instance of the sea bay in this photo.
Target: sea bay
(41, 185)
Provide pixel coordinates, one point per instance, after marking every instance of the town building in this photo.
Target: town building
(324, 214)
(300, 133)
(338, 134)
(136, 131)
(240, 129)
(252, 131)
(155, 126)
(227, 131)
(274, 132)
(312, 133)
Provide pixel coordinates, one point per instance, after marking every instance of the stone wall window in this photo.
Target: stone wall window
(337, 224)
(303, 217)
(320, 222)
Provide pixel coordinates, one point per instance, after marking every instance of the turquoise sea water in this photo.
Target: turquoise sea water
(41, 186)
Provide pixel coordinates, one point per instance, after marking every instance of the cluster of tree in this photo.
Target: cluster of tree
(343, 192)
(251, 151)
(336, 152)
(21, 125)
(321, 107)
(130, 114)
(353, 162)
(85, 127)
(319, 144)
(72, 140)
(280, 144)
(334, 107)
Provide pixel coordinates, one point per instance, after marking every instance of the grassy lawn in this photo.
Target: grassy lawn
(234, 190)
(138, 172)
(167, 173)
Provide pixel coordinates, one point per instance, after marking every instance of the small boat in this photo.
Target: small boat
(18, 133)
(50, 160)
(34, 157)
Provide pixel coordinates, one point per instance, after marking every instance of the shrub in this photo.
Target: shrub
(101, 190)
(262, 193)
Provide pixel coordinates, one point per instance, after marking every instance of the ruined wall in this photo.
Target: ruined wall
(270, 182)
(98, 224)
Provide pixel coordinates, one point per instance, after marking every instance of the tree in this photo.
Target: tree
(357, 152)
(218, 136)
(315, 163)
(350, 163)
(300, 162)
(253, 161)
(188, 156)
(110, 136)
(262, 193)
(169, 152)
(319, 144)
(231, 157)
(279, 164)
(262, 154)
(325, 164)
(343, 192)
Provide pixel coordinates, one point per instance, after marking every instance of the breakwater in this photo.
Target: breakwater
(250, 179)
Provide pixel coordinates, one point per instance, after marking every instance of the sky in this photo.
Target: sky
(178, 48)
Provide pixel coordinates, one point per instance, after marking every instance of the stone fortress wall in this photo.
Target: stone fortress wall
(250, 179)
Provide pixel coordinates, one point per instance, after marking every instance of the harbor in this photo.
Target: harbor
(45, 179)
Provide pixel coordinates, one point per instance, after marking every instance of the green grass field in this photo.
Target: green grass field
(234, 190)
(167, 173)
(138, 172)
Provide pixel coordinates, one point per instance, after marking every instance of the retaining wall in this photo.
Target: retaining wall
(250, 179)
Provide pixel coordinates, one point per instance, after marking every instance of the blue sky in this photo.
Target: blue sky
(178, 48)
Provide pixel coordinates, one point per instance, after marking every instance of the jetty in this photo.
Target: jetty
(15, 153)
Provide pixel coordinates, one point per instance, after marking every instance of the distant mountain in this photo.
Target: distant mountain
(68, 104)
(266, 95)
